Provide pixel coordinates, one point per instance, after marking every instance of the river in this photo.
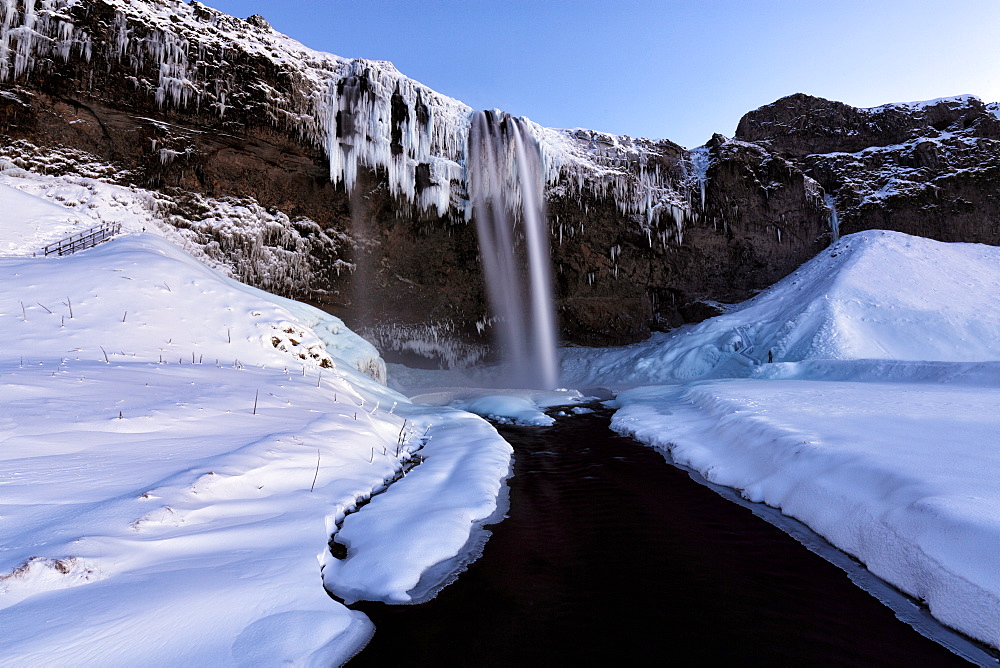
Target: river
(610, 554)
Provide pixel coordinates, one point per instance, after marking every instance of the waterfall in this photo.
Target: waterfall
(834, 219)
(505, 179)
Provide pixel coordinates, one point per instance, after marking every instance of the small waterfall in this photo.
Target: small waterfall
(834, 220)
(505, 181)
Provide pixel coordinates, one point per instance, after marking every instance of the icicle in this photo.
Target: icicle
(360, 113)
(700, 161)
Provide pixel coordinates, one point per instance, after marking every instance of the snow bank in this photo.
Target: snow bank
(32, 222)
(906, 477)
(178, 450)
(876, 423)
(452, 489)
(876, 294)
(183, 532)
(139, 298)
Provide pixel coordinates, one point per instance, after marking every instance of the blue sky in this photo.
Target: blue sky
(673, 69)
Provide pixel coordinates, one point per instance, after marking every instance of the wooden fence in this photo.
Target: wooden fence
(84, 239)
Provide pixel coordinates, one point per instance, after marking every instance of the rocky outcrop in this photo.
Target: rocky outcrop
(800, 125)
(930, 168)
(367, 169)
(760, 218)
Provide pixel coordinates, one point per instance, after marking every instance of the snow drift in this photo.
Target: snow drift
(872, 295)
(178, 449)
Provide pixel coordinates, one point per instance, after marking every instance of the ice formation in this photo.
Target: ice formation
(359, 112)
(236, 236)
(700, 162)
(38, 31)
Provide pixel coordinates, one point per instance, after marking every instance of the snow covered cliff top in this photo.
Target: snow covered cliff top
(956, 100)
(189, 57)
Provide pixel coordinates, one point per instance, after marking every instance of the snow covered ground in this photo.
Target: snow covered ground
(876, 425)
(176, 450)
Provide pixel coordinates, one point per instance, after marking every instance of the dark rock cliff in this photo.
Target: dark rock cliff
(366, 167)
(931, 169)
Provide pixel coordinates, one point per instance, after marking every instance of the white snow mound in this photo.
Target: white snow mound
(872, 295)
(177, 450)
(33, 222)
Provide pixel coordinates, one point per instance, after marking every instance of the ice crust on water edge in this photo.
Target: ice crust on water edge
(359, 112)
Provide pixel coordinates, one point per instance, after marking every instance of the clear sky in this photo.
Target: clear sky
(667, 69)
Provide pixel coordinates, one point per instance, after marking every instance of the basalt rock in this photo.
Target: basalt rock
(930, 168)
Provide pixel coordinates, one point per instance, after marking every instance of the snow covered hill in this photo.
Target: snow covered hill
(872, 295)
(176, 450)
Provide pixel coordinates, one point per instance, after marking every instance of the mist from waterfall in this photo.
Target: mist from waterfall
(505, 179)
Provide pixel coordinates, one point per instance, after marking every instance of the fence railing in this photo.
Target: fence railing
(84, 239)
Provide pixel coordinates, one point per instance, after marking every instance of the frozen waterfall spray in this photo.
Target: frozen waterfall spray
(506, 189)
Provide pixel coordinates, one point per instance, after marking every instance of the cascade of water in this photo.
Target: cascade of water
(505, 180)
(834, 219)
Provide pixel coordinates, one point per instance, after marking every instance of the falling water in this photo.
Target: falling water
(834, 219)
(505, 187)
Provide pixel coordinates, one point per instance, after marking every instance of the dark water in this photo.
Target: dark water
(611, 555)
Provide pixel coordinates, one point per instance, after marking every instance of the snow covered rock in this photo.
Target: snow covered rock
(924, 168)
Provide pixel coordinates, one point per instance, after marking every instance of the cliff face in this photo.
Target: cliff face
(360, 173)
(931, 168)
